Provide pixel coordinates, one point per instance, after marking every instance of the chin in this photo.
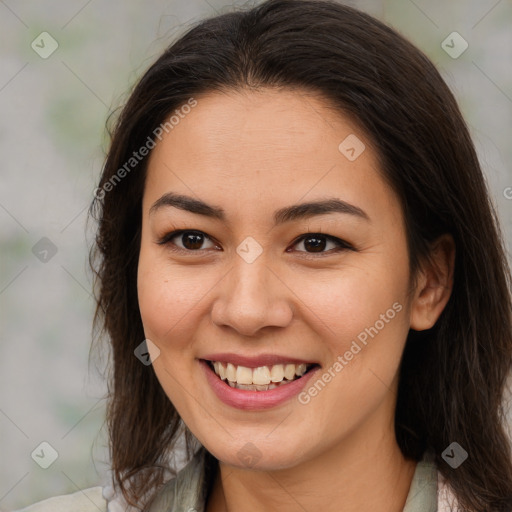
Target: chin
(257, 456)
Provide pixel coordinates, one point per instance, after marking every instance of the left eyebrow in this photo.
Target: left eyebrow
(307, 210)
(286, 214)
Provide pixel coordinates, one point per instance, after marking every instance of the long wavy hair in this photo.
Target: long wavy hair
(452, 377)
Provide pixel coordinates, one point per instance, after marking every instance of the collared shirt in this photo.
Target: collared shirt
(187, 492)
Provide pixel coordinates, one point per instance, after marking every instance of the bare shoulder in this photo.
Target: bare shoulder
(88, 500)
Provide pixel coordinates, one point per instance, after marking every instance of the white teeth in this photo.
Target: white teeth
(300, 370)
(260, 375)
(221, 371)
(243, 375)
(255, 387)
(277, 373)
(261, 378)
(231, 372)
(289, 371)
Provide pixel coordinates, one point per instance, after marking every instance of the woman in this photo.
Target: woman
(295, 231)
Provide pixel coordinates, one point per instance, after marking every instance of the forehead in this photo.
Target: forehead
(266, 147)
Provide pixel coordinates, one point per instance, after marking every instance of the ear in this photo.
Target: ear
(434, 284)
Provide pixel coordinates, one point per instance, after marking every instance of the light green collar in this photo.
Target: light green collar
(187, 491)
(422, 495)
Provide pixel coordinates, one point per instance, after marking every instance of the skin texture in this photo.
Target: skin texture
(252, 153)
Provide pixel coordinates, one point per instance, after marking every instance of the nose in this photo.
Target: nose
(252, 296)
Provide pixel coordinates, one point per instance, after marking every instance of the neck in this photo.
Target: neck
(366, 471)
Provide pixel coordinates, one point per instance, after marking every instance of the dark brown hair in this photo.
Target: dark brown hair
(453, 376)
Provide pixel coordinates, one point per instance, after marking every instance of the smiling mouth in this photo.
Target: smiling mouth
(262, 378)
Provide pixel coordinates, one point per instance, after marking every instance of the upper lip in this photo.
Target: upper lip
(254, 361)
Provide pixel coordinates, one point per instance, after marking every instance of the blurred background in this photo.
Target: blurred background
(65, 65)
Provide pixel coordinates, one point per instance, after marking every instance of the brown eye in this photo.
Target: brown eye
(190, 240)
(317, 243)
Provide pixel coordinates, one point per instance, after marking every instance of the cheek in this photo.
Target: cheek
(165, 310)
(367, 330)
(345, 303)
(365, 311)
(166, 303)
(168, 297)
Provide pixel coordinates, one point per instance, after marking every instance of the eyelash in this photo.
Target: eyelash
(341, 244)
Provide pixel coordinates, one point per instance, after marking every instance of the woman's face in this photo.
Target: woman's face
(246, 285)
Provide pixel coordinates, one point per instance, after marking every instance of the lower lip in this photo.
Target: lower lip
(254, 400)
